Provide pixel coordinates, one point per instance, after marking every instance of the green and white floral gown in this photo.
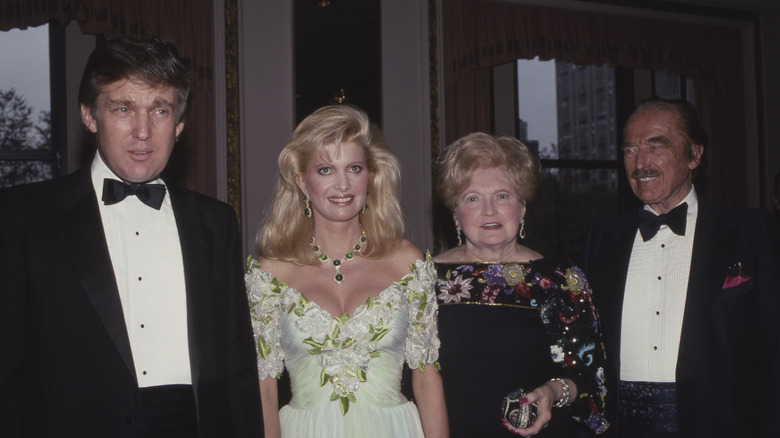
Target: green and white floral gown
(345, 371)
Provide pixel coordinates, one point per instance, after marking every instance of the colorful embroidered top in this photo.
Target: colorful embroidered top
(526, 323)
(350, 359)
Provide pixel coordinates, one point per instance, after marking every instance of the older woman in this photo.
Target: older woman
(338, 296)
(509, 318)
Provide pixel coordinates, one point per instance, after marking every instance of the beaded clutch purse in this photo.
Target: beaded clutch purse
(519, 415)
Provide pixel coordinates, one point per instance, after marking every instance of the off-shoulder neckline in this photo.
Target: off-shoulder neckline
(394, 286)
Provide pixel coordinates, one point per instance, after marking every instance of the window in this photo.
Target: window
(570, 118)
(561, 104)
(28, 151)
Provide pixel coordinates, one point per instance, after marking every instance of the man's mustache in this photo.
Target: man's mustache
(645, 173)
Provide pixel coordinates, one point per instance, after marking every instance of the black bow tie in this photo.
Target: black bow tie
(150, 194)
(649, 223)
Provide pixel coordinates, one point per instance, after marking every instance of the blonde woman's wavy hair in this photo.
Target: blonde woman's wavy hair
(455, 165)
(285, 232)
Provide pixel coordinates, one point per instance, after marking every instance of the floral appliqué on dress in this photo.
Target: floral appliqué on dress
(559, 290)
(344, 345)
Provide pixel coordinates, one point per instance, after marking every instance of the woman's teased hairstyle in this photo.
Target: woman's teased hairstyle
(285, 233)
(479, 150)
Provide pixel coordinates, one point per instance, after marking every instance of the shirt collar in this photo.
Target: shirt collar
(691, 199)
(100, 171)
(691, 216)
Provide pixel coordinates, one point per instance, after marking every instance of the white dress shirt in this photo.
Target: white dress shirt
(146, 255)
(654, 301)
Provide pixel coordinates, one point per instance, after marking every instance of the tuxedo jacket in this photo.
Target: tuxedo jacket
(66, 368)
(727, 366)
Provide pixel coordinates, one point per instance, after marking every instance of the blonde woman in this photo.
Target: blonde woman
(338, 296)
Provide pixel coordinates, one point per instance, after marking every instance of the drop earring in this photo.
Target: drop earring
(306, 206)
(460, 241)
(522, 228)
(364, 209)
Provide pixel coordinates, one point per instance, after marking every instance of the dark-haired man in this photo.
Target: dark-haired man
(687, 294)
(123, 308)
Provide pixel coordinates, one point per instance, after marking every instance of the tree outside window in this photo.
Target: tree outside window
(27, 153)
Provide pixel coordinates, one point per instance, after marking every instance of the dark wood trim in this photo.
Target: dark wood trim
(435, 114)
(58, 94)
(232, 108)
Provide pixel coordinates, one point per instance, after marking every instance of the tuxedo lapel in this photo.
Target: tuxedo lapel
(81, 232)
(196, 246)
(714, 246)
(616, 255)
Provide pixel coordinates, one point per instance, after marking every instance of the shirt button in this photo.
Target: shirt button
(663, 245)
(656, 312)
(654, 348)
(659, 277)
(144, 373)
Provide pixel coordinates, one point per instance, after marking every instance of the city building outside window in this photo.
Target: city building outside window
(569, 115)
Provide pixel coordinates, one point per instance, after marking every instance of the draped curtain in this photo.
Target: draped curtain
(478, 35)
(188, 22)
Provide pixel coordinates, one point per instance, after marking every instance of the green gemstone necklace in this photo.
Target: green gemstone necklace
(339, 277)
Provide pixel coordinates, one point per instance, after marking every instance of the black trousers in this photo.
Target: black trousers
(166, 412)
(625, 430)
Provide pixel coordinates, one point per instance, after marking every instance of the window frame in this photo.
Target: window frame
(58, 153)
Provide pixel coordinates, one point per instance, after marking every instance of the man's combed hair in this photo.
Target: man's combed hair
(286, 231)
(455, 165)
(149, 59)
(690, 126)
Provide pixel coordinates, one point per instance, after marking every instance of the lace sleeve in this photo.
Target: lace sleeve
(422, 338)
(263, 292)
(576, 343)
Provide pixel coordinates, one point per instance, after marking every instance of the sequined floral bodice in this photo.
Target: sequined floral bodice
(345, 359)
(540, 312)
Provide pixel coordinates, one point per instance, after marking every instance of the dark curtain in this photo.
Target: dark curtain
(478, 35)
(188, 22)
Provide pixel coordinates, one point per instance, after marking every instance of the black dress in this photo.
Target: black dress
(509, 325)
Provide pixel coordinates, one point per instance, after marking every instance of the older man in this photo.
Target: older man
(687, 292)
(122, 305)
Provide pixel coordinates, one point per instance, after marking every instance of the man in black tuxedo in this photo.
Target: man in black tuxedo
(687, 293)
(122, 308)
